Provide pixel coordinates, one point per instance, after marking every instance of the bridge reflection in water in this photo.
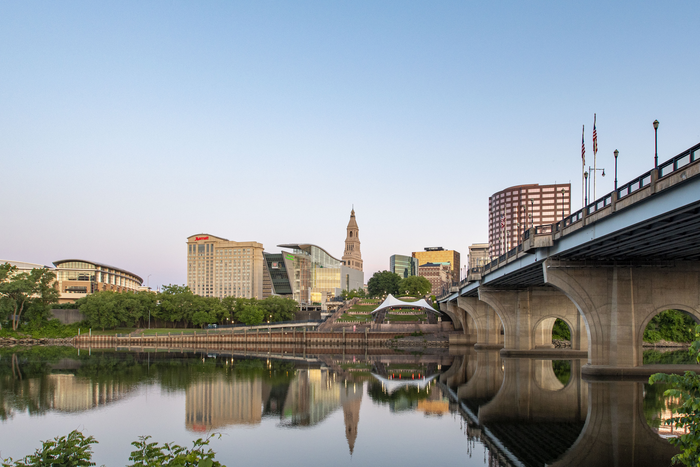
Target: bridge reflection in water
(535, 412)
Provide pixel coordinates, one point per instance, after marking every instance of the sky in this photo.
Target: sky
(126, 127)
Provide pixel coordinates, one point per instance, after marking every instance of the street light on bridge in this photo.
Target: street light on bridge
(656, 152)
(616, 154)
(563, 193)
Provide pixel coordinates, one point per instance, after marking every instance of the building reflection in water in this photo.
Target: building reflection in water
(309, 398)
(218, 401)
(73, 394)
(61, 393)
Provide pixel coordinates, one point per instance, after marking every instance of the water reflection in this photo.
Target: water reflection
(524, 411)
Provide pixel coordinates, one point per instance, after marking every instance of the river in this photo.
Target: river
(391, 408)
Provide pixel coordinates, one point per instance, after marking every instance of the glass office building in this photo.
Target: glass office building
(314, 270)
(404, 266)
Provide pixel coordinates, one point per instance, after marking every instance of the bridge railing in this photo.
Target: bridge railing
(678, 162)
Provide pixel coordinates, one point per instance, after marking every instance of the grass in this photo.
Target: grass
(363, 308)
(393, 318)
(358, 318)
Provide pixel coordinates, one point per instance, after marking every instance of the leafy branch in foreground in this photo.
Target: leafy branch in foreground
(686, 389)
(75, 450)
(169, 454)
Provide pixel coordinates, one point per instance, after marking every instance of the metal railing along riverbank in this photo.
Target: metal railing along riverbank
(277, 337)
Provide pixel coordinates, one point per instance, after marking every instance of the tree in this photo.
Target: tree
(687, 389)
(251, 315)
(101, 309)
(382, 283)
(177, 304)
(20, 290)
(278, 308)
(417, 286)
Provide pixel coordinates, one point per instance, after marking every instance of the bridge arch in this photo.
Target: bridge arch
(562, 280)
(480, 317)
(646, 319)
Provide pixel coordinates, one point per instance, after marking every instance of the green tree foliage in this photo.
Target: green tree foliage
(417, 286)
(278, 308)
(169, 454)
(177, 304)
(561, 331)
(109, 309)
(670, 325)
(21, 291)
(250, 315)
(383, 283)
(354, 293)
(75, 450)
(685, 388)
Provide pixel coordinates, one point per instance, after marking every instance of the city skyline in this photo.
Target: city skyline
(126, 127)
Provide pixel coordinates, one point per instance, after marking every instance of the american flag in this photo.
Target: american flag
(503, 221)
(595, 138)
(583, 146)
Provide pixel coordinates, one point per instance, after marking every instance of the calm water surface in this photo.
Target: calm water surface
(410, 408)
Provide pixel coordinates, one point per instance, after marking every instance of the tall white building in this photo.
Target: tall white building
(217, 267)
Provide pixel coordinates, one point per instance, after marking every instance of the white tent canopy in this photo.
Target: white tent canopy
(392, 302)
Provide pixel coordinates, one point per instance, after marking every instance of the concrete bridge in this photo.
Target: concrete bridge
(606, 270)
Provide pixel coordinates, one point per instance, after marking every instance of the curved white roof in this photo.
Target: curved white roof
(392, 302)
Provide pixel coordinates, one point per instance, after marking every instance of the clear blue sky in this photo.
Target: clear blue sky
(127, 126)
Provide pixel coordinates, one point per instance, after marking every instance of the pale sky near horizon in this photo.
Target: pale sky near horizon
(127, 126)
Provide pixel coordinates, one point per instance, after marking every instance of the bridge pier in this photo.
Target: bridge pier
(486, 330)
(528, 317)
(618, 302)
(450, 309)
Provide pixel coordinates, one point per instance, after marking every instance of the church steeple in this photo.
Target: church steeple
(352, 257)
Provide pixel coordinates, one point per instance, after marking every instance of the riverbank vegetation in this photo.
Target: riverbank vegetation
(75, 450)
(686, 390)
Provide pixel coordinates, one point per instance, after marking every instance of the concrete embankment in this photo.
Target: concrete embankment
(284, 338)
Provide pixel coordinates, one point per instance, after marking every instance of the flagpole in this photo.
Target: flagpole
(595, 154)
(583, 167)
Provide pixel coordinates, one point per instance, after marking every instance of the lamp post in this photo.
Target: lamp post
(563, 205)
(656, 152)
(585, 176)
(532, 208)
(616, 154)
(592, 170)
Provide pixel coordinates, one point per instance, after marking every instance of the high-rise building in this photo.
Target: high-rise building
(440, 255)
(404, 266)
(515, 209)
(217, 267)
(352, 257)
